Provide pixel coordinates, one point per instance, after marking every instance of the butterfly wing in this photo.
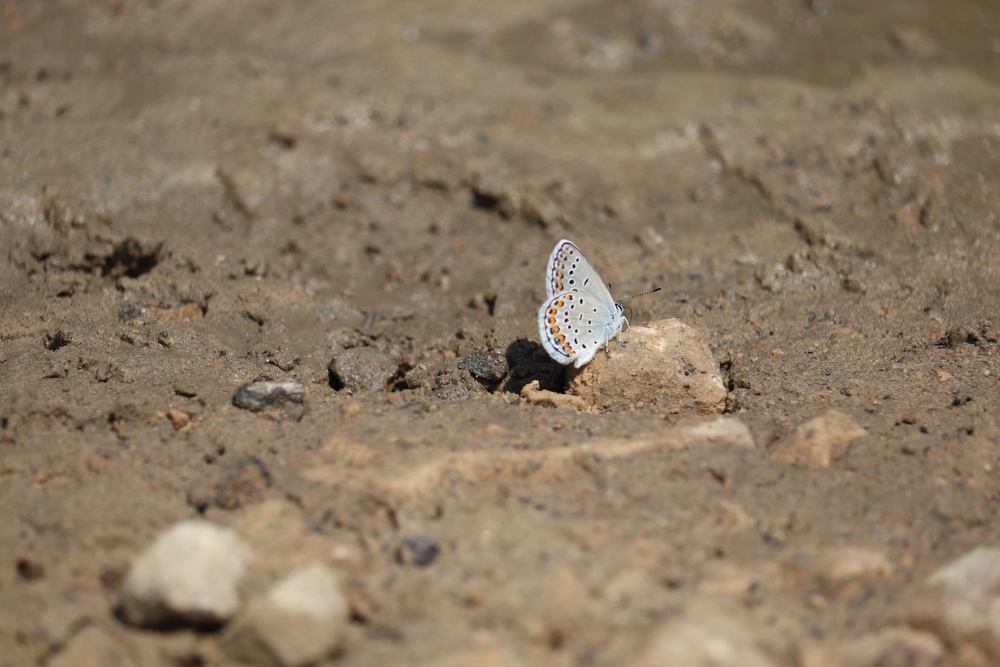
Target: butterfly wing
(553, 329)
(580, 316)
(569, 270)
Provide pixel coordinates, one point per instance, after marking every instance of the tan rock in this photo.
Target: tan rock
(298, 622)
(665, 365)
(819, 441)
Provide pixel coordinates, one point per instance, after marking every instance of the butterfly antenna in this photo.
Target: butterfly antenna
(635, 296)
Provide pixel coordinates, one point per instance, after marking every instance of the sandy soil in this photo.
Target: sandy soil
(198, 194)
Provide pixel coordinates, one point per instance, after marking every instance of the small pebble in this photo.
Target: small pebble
(286, 131)
(178, 418)
(419, 550)
(255, 396)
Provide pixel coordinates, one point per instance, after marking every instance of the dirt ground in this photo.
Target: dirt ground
(197, 194)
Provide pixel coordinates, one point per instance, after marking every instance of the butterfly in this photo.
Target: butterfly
(579, 315)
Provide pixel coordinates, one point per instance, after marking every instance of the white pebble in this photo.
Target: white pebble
(187, 577)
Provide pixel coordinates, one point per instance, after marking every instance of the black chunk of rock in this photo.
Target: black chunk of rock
(255, 396)
(419, 550)
(486, 366)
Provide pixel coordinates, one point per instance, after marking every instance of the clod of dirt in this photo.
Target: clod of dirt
(299, 621)
(819, 441)
(533, 394)
(255, 396)
(362, 369)
(188, 577)
(490, 367)
(958, 602)
(456, 385)
(665, 365)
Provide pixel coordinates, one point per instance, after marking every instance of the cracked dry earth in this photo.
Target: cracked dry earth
(361, 198)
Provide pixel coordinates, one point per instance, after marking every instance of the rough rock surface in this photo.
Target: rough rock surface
(664, 365)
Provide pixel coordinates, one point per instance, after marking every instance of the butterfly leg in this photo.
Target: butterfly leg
(625, 319)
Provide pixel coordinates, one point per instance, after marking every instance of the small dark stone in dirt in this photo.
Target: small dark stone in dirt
(488, 366)
(421, 550)
(255, 396)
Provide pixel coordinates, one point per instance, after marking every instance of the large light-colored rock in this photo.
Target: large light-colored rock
(298, 622)
(960, 603)
(665, 364)
(188, 577)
